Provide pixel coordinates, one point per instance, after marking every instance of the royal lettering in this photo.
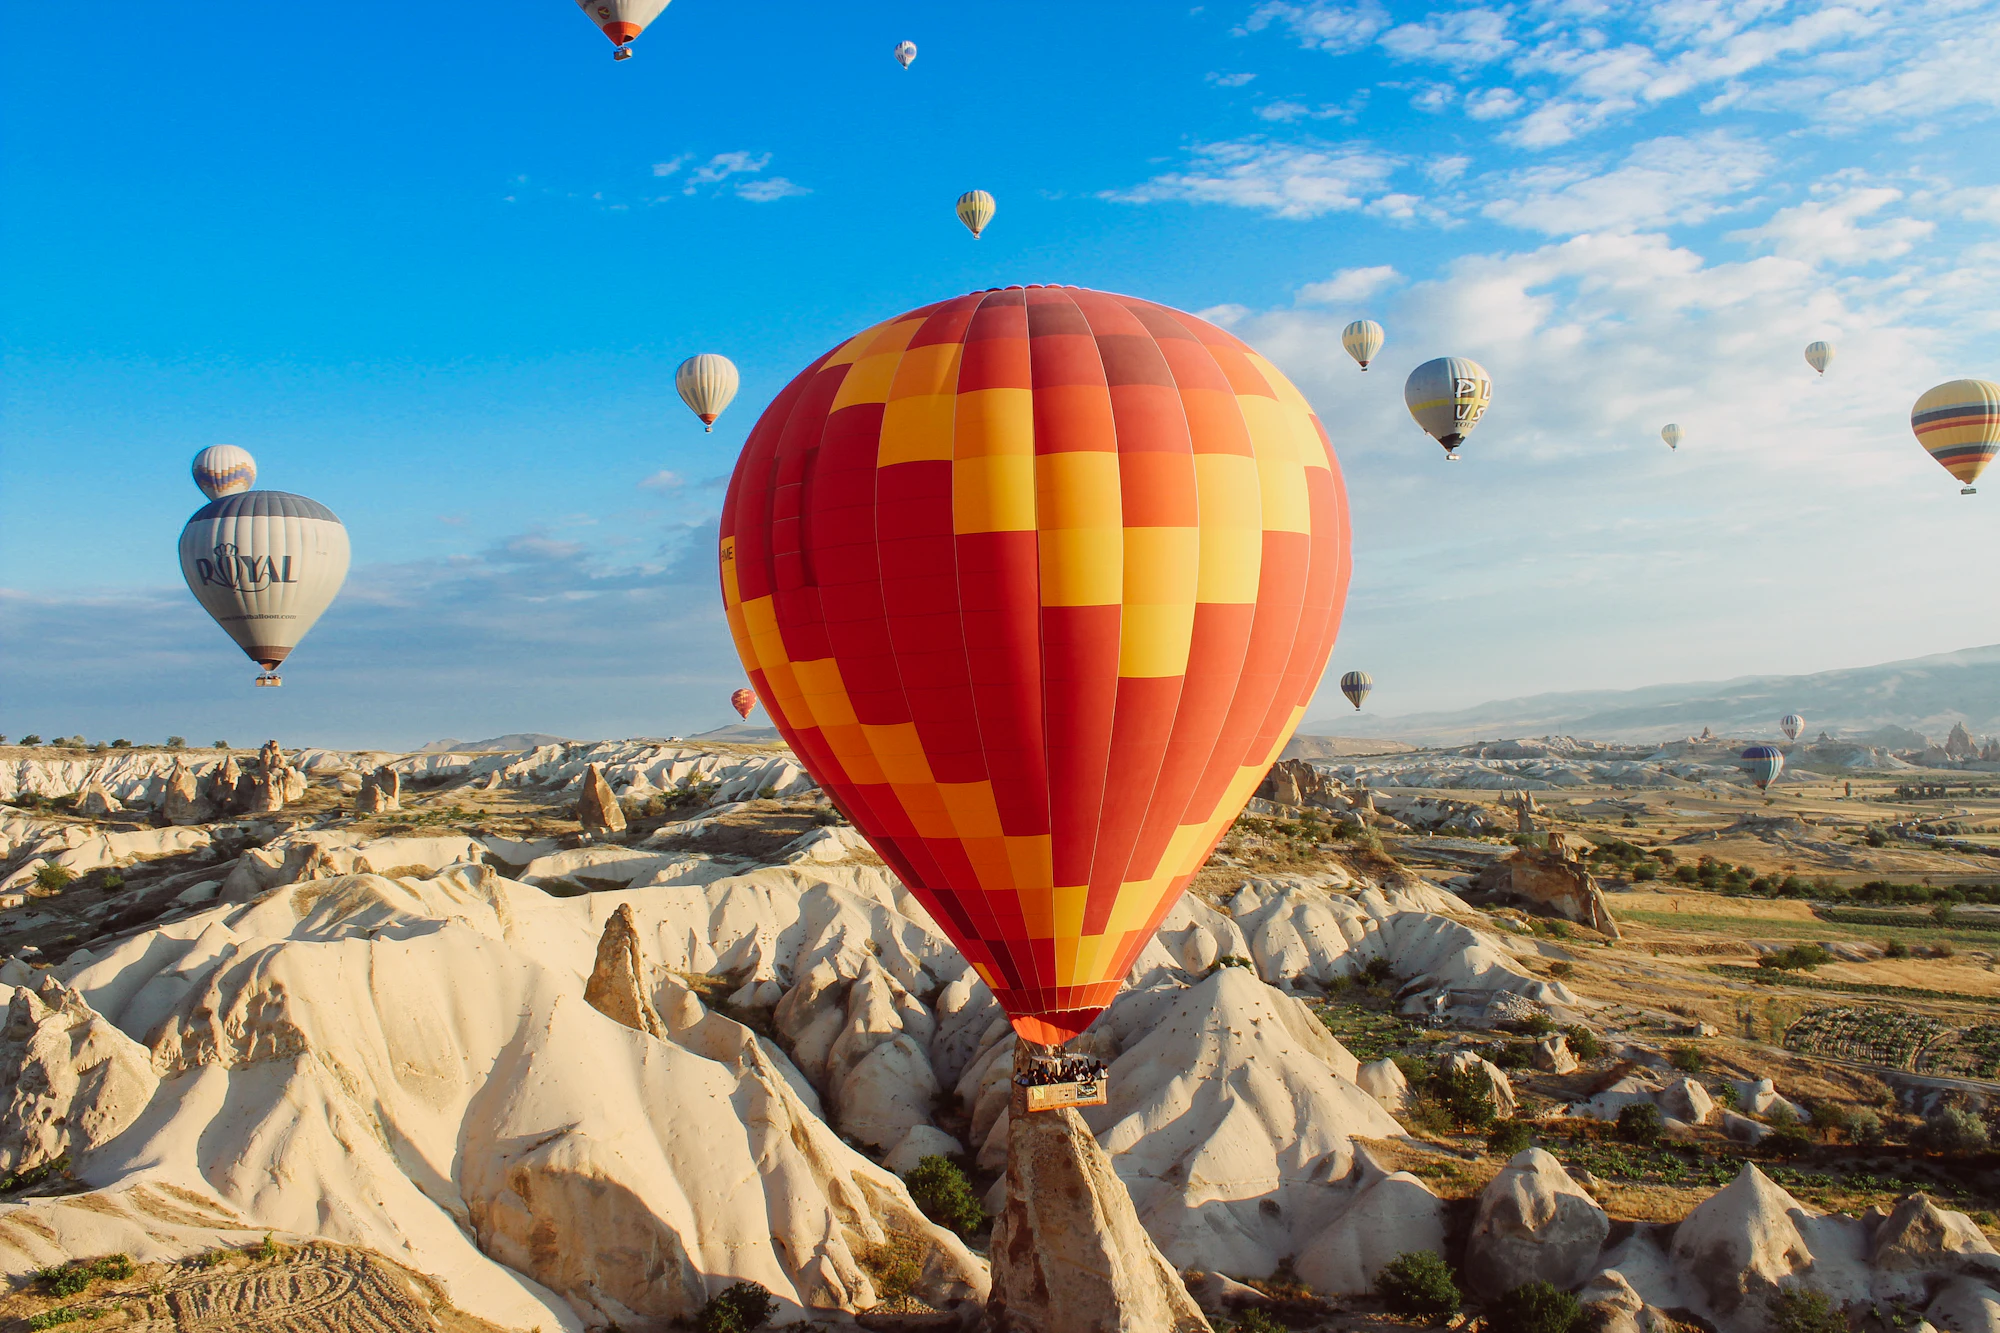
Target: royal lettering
(242, 573)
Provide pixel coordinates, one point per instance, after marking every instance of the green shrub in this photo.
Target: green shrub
(1865, 1128)
(1801, 1310)
(1508, 1137)
(1687, 1059)
(1464, 1096)
(54, 878)
(1537, 1025)
(1513, 1055)
(1951, 1130)
(1562, 971)
(1535, 1307)
(1640, 1123)
(1254, 1320)
(738, 1308)
(63, 1314)
(221, 745)
(1234, 960)
(1727, 1096)
(1895, 949)
(941, 1189)
(1583, 1042)
(1788, 1141)
(176, 742)
(1645, 871)
(1377, 971)
(1419, 1284)
(1797, 958)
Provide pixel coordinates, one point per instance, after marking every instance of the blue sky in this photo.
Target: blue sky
(437, 275)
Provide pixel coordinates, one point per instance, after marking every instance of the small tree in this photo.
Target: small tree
(121, 744)
(940, 1188)
(1419, 1284)
(53, 878)
(1688, 1059)
(31, 739)
(1535, 1307)
(176, 742)
(1583, 1042)
(221, 745)
(1951, 1130)
(1640, 1123)
(1508, 1137)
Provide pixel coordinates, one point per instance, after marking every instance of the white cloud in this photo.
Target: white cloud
(1445, 170)
(1461, 37)
(1829, 231)
(1324, 24)
(764, 191)
(1228, 80)
(663, 480)
(1283, 111)
(1434, 97)
(670, 166)
(1350, 284)
(1492, 103)
(1665, 180)
(724, 165)
(1288, 180)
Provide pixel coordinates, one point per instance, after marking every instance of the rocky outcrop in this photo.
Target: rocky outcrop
(1552, 882)
(1741, 1242)
(72, 1081)
(1384, 1081)
(1534, 1224)
(380, 793)
(617, 984)
(1068, 1252)
(1391, 1215)
(182, 801)
(1553, 1055)
(97, 803)
(597, 805)
(1295, 782)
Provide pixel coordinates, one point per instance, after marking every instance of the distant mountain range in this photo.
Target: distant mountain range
(515, 740)
(1924, 695)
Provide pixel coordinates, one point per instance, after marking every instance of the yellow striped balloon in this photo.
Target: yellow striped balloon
(1362, 339)
(1958, 424)
(1671, 433)
(975, 210)
(1447, 397)
(707, 384)
(1819, 356)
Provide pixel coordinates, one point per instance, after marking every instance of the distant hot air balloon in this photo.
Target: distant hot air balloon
(265, 564)
(743, 701)
(707, 384)
(223, 469)
(975, 210)
(1819, 356)
(1791, 724)
(1764, 763)
(988, 561)
(1447, 397)
(1958, 424)
(1355, 685)
(1671, 433)
(622, 20)
(1362, 339)
(905, 53)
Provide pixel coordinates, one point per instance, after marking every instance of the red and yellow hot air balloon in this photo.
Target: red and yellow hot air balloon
(743, 701)
(1037, 582)
(622, 20)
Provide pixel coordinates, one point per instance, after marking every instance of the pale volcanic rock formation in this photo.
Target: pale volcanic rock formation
(1390, 1215)
(447, 1094)
(1534, 1224)
(74, 1081)
(1553, 1055)
(1384, 1081)
(1489, 1076)
(379, 793)
(597, 806)
(182, 802)
(617, 986)
(97, 803)
(1068, 1250)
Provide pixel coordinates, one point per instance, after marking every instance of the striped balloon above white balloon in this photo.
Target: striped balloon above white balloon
(224, 469)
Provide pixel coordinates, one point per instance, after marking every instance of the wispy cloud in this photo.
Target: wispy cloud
(1287, 180)
(1324, 24)
(1665, 180)
(1350, 284)
(1228, 80)
(1829, 230)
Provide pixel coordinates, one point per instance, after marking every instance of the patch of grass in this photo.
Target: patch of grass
(1850, 987)
(75, 1277)
(1796, 958)
(893, 1266)
(65, 1314)
(1688, 1059)
(33, 1176)
(1419, 1285)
